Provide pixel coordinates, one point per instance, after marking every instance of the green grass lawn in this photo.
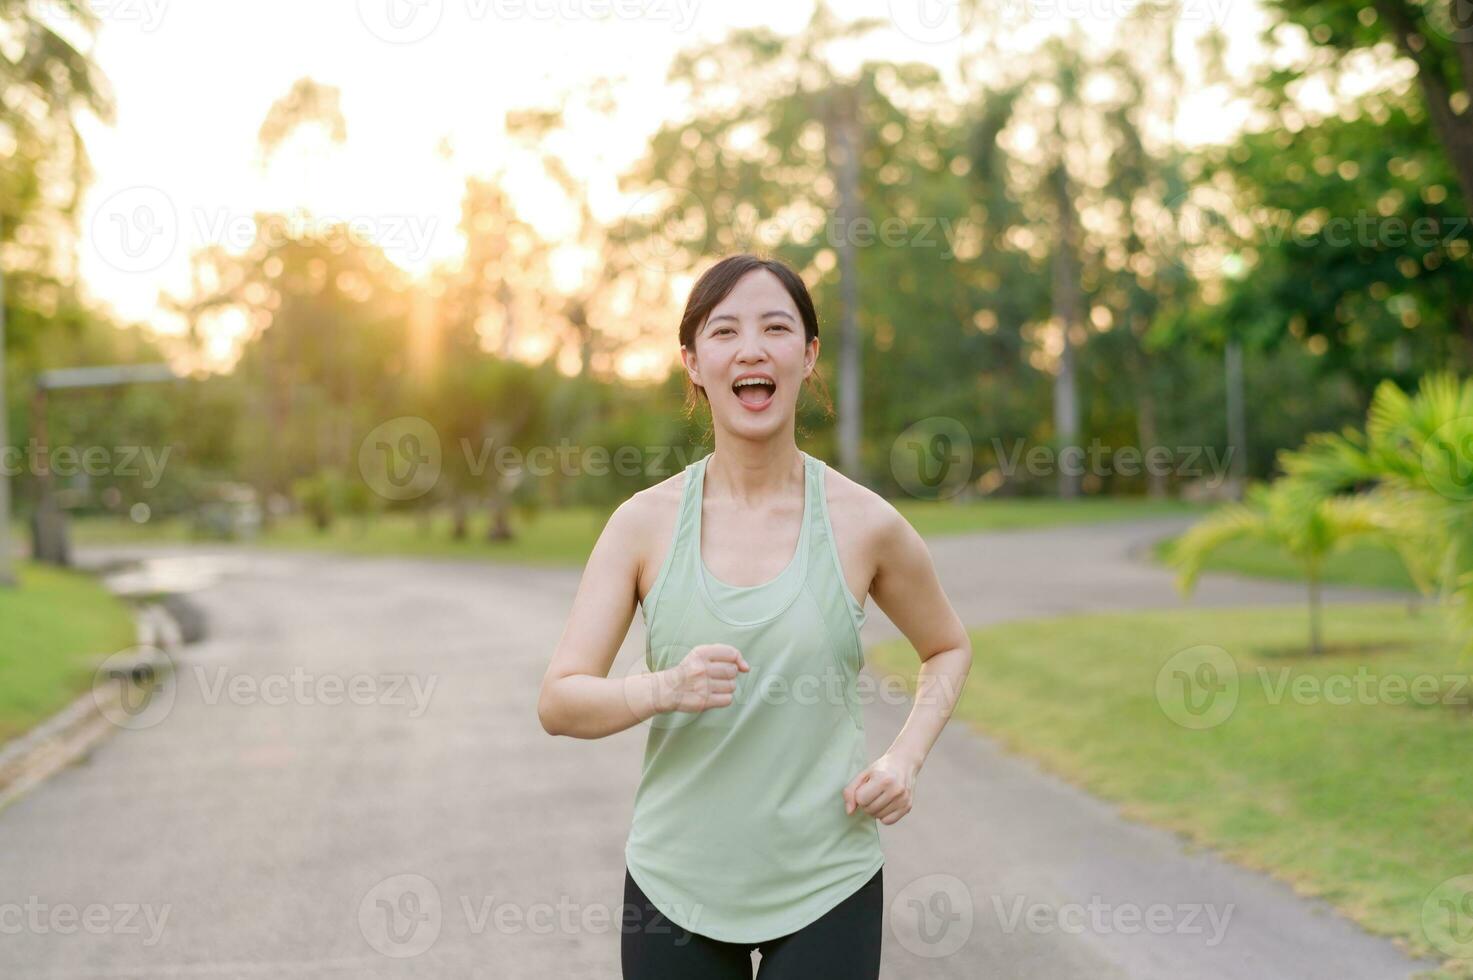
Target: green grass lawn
(565, 536)
(937, 518)
(54, 629)
(1359, 564)
(560, 537)
(1367, 805)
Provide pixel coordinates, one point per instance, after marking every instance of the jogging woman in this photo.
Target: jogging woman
(755, 825)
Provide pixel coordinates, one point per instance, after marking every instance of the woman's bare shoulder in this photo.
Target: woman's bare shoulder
(649, 524)
(655, 501)
(857, 511)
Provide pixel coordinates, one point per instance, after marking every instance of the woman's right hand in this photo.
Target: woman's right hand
(706, 678)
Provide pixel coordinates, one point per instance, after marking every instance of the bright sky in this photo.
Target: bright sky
(425, 84)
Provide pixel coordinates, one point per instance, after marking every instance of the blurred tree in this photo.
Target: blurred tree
(599, 305)
(500, 288)
(847, 173)
(45, 83)
(490, 414)
(1436, 37)
(777, 144)
(1354, 246)
(309, 106)
(1385, 141)
(326, 352)
(1077, 197)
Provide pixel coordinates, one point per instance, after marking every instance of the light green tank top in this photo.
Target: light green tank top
(739, 831)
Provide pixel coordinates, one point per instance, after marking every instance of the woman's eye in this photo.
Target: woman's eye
(721, 330)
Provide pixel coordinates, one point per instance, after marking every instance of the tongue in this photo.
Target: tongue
(754, 394)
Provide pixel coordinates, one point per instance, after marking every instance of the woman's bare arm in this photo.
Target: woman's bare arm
(578, 696)
(907, 588)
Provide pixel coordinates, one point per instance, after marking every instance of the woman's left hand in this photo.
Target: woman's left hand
(884, 790)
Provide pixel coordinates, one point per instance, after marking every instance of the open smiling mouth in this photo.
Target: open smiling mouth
(755, 393)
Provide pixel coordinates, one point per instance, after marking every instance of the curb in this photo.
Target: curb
(72, 732)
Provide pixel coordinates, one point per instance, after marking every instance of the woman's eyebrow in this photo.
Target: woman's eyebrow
(732, 316)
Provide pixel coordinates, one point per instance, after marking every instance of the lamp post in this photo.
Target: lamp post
(1237, 419)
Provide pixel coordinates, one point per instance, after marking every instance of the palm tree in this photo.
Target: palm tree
(1414, 466)
(1290, 515)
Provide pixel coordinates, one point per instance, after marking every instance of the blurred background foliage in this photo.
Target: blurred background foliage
(1058, 269)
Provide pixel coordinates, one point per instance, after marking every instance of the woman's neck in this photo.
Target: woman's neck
(755, 474)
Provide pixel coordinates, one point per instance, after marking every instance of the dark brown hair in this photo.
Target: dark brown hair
(716, 283)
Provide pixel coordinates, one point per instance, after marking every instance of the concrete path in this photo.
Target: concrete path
(350, 782)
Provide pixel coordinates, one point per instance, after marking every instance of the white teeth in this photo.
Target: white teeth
(752, 381)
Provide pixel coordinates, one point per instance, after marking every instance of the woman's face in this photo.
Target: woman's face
(754, 333)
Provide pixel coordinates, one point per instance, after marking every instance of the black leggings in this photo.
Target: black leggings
(843, 944)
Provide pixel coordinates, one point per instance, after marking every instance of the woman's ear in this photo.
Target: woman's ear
(693, 369)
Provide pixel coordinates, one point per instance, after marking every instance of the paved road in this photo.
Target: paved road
(267, 825)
